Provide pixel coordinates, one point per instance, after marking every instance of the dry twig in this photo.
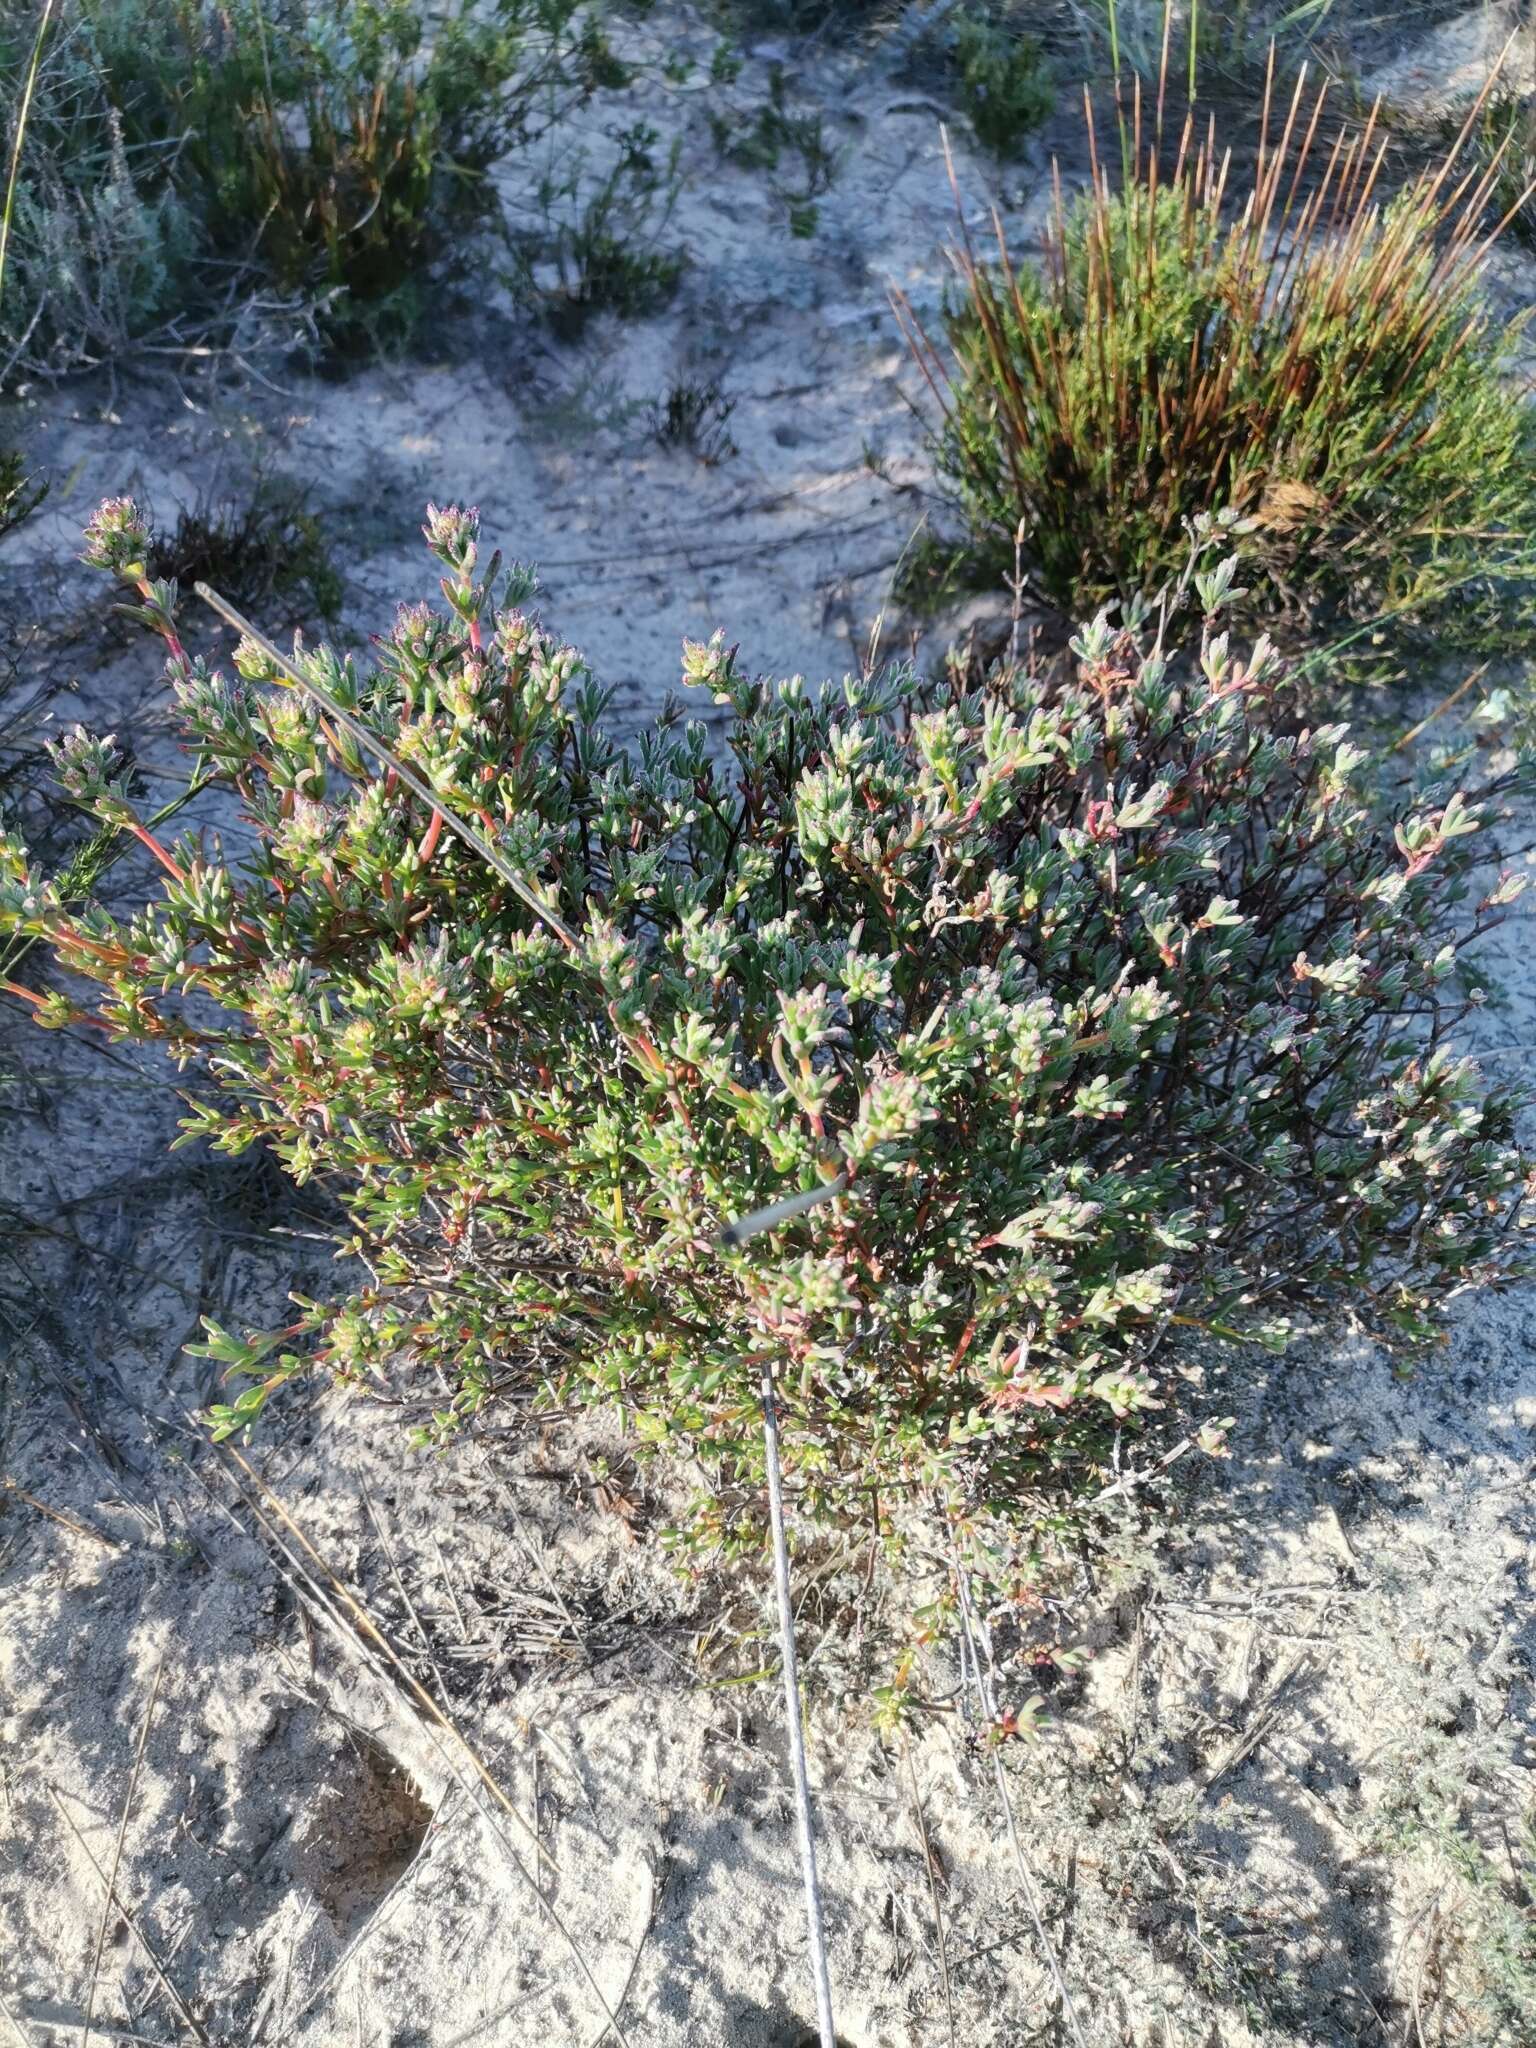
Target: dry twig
(929, 1862)
(130, 1920)
(117, 1853)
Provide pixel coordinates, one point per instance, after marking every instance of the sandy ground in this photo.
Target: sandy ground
(389, 1749)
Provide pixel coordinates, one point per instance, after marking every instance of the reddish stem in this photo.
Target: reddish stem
(171, 636)
(147, 838)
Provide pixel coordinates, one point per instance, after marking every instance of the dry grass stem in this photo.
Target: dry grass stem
(117, 1852)
(130, 1920)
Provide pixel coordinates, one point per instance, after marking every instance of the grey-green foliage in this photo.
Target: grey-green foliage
(1452, 1794)
(100, 240)
(187, 161)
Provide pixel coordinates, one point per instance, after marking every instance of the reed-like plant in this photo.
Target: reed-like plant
(1219, 48)
(1505, 138)
(1308, 351)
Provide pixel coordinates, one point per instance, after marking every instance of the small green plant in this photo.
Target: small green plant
(696, 415)
(1488, 1962)
(1504, 143)
(20, 492)
(603, 239)
(933, 572)
(1004, 81)
(763, 142)
(1065, 1016)
(256, 546)
(1314, 357)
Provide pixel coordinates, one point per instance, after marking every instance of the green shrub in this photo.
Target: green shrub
(255, 546)
(601, 235)
(1004, 80)
(1094, 1012)
(337, 153)
(1313, 357)
(345, 148)
(102, 250)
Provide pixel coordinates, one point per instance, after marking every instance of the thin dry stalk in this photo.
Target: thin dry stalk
(130, 1920)
(933, 1890)
(117, 1854)
(57, 1515)
(534, 1555)
(634, 1961)
(1445, 704)
(359, 1634)
(400, 1587)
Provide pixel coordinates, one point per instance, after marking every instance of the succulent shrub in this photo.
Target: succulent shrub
(1305, 352)
(1093, 1011)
